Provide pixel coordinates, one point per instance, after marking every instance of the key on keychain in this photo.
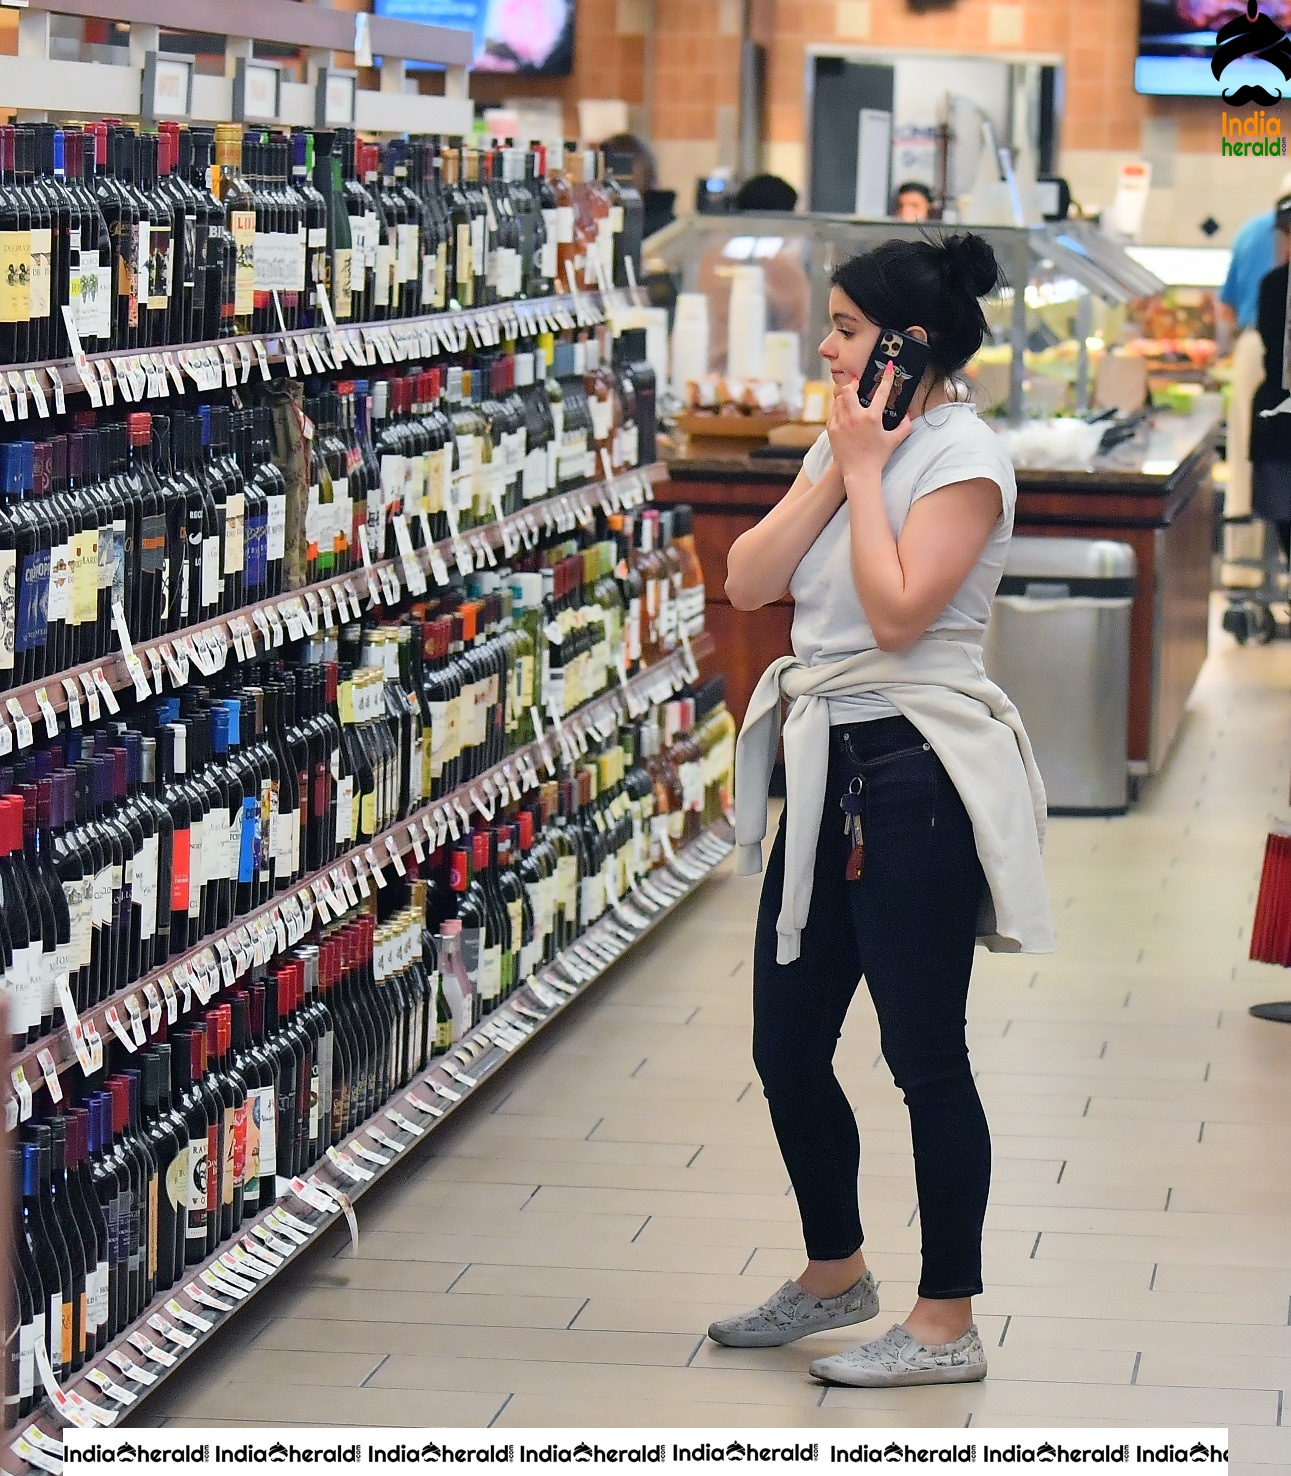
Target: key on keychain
(852, 804)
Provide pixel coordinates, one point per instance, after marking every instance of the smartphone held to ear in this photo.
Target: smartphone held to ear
(909, 358)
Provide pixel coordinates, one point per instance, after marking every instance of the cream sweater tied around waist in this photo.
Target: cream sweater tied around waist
(940, 685)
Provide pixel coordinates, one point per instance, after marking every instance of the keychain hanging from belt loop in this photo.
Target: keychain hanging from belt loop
(852, 804)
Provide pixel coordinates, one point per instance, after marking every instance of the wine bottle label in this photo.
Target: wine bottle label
(196, 866)
(264, 1111)
(384, 268)
(159, 268)
(180, 875)
(462, 254)
(248, 849)
(490, 980)
(214, 1165)
(230, 1178)
(210, 570)
(368, 813)
(234, 533)
(345, 809)
(242, 225)
(343, 265)
(15, 276)
(150, 1252)
(8, 607)
(251, 1151)
(27, 1335)
(564, 231)
(42, 246)
(67, 1345)
(152, 540)
(198, 1174)
(176, 1183)
(276, 547)
(98, 1306)
(33, 603)
(264, 842)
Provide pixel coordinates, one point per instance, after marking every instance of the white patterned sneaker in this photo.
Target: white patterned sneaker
(897, 1359)
(792, 1313)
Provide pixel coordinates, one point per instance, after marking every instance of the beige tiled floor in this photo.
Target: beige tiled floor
(555, 1255)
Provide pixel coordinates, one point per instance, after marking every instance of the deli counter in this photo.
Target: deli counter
(1153, 489)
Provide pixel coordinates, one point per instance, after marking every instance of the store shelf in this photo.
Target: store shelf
(147, 376)
(310, 604)
(134, 1014)
(450, 1083)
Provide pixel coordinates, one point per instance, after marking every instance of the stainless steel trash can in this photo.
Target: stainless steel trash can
(1058, 642)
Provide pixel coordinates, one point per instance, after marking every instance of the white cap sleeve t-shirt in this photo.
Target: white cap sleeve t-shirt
(949, 444)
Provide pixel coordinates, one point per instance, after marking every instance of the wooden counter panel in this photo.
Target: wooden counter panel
(1183, 616)
(748, 641)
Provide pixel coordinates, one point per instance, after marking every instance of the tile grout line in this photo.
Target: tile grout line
(638, 1066)
(459, 1276)
(821, 1400)
(498, 1415)
(595, 1125)
(578, 1314)
(1152, 1285)
(694, 1155)
(754, 1252)
(1168, 1194)
(1036, 1246)
(1004, 1332)
(372, 1372)
(1134, 1376)
(1061, 1171)
(529, 1201)
(969, 1420)
(744, 1093)
(644, 1223)
(695, 1353)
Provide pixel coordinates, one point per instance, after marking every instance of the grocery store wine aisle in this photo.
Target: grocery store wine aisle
(554, 1257)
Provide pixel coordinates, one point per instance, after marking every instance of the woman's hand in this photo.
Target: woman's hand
(857, 436)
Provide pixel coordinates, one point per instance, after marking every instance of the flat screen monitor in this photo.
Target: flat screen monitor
(1178, 44)
(525, 37)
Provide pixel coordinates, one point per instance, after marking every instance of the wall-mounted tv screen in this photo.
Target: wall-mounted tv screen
(1183, 43)
(524, 37)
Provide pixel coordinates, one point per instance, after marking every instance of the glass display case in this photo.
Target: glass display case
(1077, 289)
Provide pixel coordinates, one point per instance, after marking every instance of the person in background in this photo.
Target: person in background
(1253, 256)
(658, 203)
(913, 201)
(788, 291)
(767, 192)
(1270, 439)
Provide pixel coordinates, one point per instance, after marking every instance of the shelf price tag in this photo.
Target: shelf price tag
(205, 1299)
(190, 1319)
(23, 1090)
(21, 723)
(45, 1058)
(167, 1329)
(113, 1018)
(406, 1124)
(101, 1379)
(145, 1345)
(73, 702)
(122, 1360)
(47, 712)
(386, 1141)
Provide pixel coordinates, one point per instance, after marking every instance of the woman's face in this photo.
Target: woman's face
(847, 347)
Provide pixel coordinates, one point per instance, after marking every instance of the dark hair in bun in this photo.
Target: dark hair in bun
(936, 283)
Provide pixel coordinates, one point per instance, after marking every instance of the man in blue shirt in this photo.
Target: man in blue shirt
(1251, 262)
(1237, 310)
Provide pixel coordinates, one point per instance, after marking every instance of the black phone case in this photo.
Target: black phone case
(910, 356)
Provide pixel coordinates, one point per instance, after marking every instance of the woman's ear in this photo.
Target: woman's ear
(916, 332)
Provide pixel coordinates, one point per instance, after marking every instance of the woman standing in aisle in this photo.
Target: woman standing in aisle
(914, 813)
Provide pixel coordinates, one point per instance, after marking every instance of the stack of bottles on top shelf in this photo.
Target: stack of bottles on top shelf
(192, 810)
(159, 1158)
(192, 234)
(180, 516)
